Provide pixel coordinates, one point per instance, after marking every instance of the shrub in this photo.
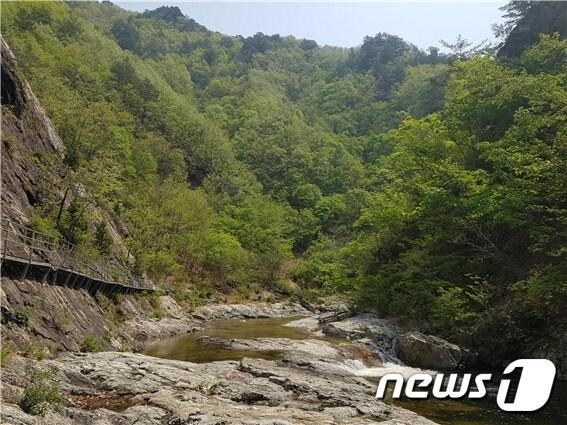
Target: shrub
(158, 264)
(103, 239)
(10, 142)
(74, 223)
(5, 355)
(284, 286)
(451, 311)
(34, 351)
(21, 318)
(158, 313)
(317, 273)
(41, 396)
(193, 297)
(44, 225)
(126, 347)
(246, 290)
(112, 312)
(91, 344)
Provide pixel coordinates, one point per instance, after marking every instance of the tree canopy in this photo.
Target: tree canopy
(427, 186)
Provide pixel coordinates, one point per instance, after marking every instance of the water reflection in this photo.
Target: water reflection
(192, 348)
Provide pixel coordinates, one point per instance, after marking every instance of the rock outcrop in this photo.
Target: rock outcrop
(391, 344)
(252, 391)
(427, 351)
(247, 311)
(57, 317)
(379, 335)
(32, 152)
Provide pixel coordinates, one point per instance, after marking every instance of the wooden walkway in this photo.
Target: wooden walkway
(28, 253)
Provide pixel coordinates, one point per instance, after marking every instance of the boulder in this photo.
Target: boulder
(334, 313)
(427, 351)
(379, 335)
(170, 307)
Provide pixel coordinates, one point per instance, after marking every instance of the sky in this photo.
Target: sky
(422, 23)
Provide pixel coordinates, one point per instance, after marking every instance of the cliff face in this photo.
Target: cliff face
(32, 152)
(53, 318)
(49, 316)
(32, 160)
(36, 314)
(545, 17)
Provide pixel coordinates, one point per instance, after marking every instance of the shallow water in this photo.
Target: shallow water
(190, 348)
(445, 412)
(486, 412)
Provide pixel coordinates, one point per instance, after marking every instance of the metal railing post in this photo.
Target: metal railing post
(25, 272)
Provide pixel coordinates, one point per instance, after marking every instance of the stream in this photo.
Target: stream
(195, 348)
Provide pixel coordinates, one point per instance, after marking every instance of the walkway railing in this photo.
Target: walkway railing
(32, 249)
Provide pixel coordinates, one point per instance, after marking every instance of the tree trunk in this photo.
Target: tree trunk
(62, 205)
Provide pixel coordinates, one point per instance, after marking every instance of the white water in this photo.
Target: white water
(358, 368)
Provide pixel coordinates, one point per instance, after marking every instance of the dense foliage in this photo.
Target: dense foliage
(430, 187)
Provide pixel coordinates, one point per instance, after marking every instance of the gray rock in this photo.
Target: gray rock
(141, 330)
(249, 311)
(311, 348)
(427, 351)
(334, 313)
(254, 391)
(379, 335)
(11, 414)
(170, 307)
(308, 323)
(62, 316)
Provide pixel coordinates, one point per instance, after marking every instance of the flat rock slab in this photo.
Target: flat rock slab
(311, 348)
(252, 391)
(310, 324)
(249, 311)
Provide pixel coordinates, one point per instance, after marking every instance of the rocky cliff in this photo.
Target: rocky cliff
(42, 319)
(32, 152)
(37, 316)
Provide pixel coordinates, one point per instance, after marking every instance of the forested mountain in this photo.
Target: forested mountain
(430, 187)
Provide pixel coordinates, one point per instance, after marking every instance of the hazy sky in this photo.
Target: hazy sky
(344, 24)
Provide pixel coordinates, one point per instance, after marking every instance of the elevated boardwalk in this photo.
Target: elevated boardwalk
(26, 253)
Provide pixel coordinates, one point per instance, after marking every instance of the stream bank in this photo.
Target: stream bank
(313, 384)
(253, 364)
(344, 347)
